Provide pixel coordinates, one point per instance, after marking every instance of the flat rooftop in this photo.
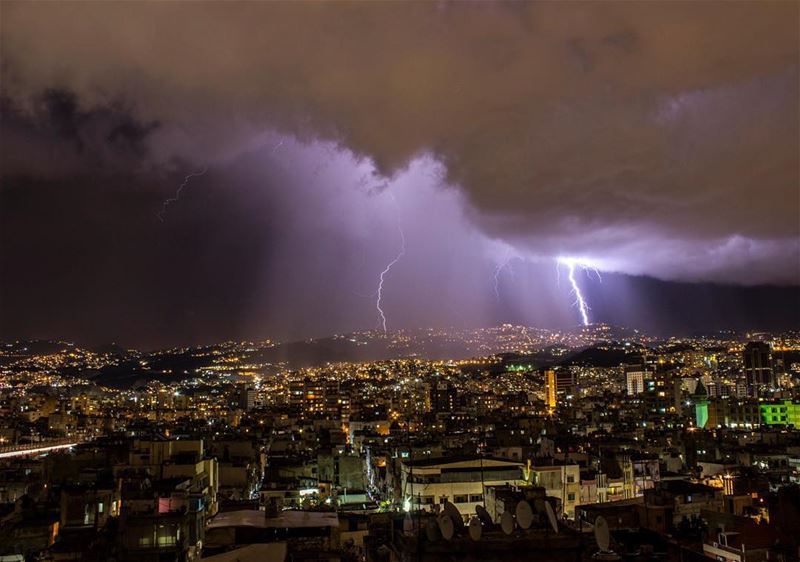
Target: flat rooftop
(289, 519)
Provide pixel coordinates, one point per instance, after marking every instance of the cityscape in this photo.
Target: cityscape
(222, 448)
(429, 281)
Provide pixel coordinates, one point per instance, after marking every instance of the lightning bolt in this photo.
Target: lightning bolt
(498, 269)
(580, 301)
(391, 264)
(177, 195)
(576, 290)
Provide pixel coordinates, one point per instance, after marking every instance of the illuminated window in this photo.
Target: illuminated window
(166, 540)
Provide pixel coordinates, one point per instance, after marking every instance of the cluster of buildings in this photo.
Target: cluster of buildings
(687, 449)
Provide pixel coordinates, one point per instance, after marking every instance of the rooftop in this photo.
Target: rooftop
(285, 519)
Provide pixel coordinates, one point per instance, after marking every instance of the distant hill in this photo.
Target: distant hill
(519, 347)
(604, 356)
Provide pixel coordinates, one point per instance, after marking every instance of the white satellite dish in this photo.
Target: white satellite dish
(455, 515)
(524, 515)
(483, 515)
(601, 534)
(551, 516)
(507, 522)
(446, 526)
(475, 528)
(432, 530)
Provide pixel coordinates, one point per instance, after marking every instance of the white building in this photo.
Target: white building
(634, 381)
(559, 481)
(459, 480)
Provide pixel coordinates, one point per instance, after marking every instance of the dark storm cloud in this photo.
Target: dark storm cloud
(55, 138)
(85, 258)
(597, 129)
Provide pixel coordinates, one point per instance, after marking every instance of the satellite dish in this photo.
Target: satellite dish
(524, 514)
(446, 526)
(507, 522)
(475, 528)
(551, 516)
(483, 515)
(455, 515)
(601, 534)
(432, 530)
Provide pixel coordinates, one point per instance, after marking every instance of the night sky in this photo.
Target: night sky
(469, 145)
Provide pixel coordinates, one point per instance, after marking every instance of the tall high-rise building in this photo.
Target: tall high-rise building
(634, 380)
(741, 389)
(443, 396)
(337, 403)
(296, 395)
(677, 394)
(332, 398)
(566, 381)
(757, 357)
(247, 397)
(314, 397)
(550, 388)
